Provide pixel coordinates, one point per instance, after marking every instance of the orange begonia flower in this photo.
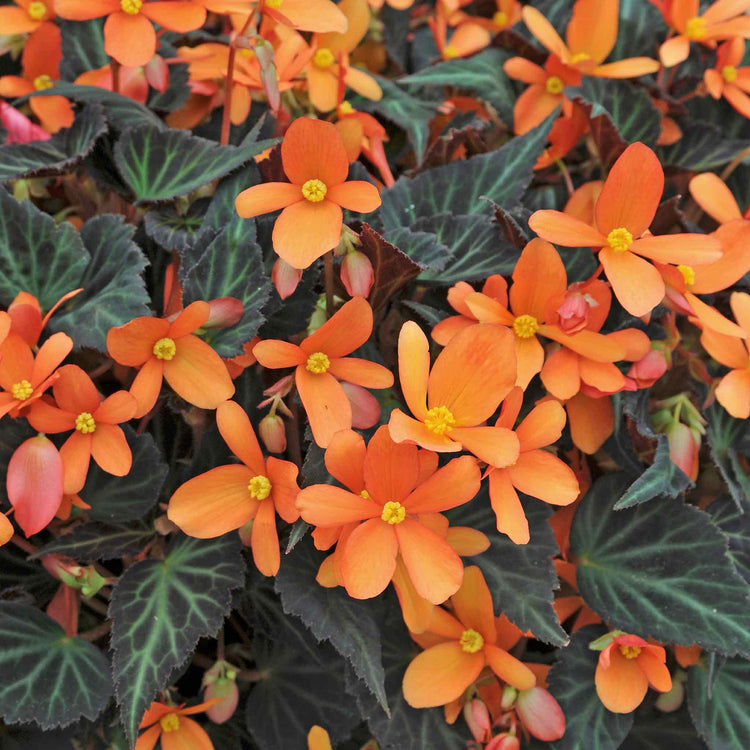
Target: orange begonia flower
(536, 472)
(129, 34)
(26, 315)
(395, 508)
(469, 379)
(161, 348)
(733, 392)
(711, 193)
(314, 159)
(466, 643)
(133, 82)
(539, 285)
(175, 729)
(320, 361)
(727, 80)
(96, 435)
(305, 15)
(724, 19)
(24, 377)
(25, 16)
(508, 14)
(624, 210)
(41, 68)
(591, 36)
(626, 669)
(227, 497)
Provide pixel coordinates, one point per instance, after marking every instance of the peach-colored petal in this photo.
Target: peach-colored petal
(347, 330)
(728, 350)
(511, 519)
(414, 367)
(391, 470)
(592, 28)
(270, 196)
(190, 319)
(44, 417)
(369, 559)
(633, 67)
(117, 408)
(560, 374)
(326, 505)
(110, 450)
(711, 193)
(416, 610)
(446, 329)
(133, 343)
(637, 285)
(591, 421)
(733, 393)
(404, 428)
(508, 668)
(322, 222)
(361, 372)
(622, 687)
(542, 426)
(284, 487)
(130, 39)
(521, 69)
(587, 343)
(75, 391)
(51, 353)
(711, 317)
(356, 195)
(544, 32)
(674, 51)
(466, 541)
(603, 376)
(147, 385)
(538, 276)
(314, 149)
(358, 15)
(148, 740)
(327, 407)
(472, 604)
(488, 310)
(530, 358)
(345, 458)
(275, 354)
(740, 304)
(497, 446)
(690, 249)
(533, 106)
(264, 539)
(314, 15)
(175, 15)
(191, 736)
(238, 433)
(76, 455)
(542, 475)
(454, 484)
(557, 227)
(655, 669)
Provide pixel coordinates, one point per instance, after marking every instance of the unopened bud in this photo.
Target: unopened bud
(365, 407)
(574, 312)
(509, 697)
(223, 312)
(273, 433)
(285, 278)
(225, 689)
(156, 71)
(478, 719)
(503, 742)
(647, 370)
(671, 700)
(541, 714)
(357, 274)
(684, 446)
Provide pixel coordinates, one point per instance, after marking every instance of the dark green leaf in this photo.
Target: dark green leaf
(421, 247)
(57, 155)
(159, 164)
(347, 624)
(659, 570)
(733, 520)
(95, 541)
(640, 31)
(113, 288)
(175, 230)
(176, 93)
(159, 610)
(654, 730)
(512, 568)
(588, 724)
(430, 315)
(45, 676)
(701, 147)
(729, 439)
(721, 719)
(82, 47)
(127, 498)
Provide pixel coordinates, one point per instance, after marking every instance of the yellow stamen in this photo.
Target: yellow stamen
(318, 363)
(246, 52)
(393, 513)
(85, 423)
(687, 273)
(450, 52)
(440, 420)
(43, 82)
(554, 85)
(525, 326)
(323, 58)
(695, 28)
(259, 486)
(21, 390)
(273, 4)
(170, 722)
(729, 73)
(131, 7)
(365, 494)
(619, 239)
(500, 18)
(630, 652)
(37, 11)
(471, 641)
(165, 349)
(580, 57)
(345, 108)
(314, 190)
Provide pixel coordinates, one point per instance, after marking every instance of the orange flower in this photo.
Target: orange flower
(724, 19)
(129, 34)
(733, 392)
(318, 739)
(469, 379)
(711, 193)
(465, 642)
(536, 472)
(175, 729)
(306, 15)
(23, 377)
(95, 424)
(624, 210)
(391, 507)
(626, 668)
(227, 497)
(727, 80)
(591, 36)
(26, 16)
(314, 159)
(508, 14)
(320, 361)
(170, 350)
(26, 314)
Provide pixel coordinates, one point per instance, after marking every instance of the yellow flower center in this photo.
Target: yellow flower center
(554, 85)
(318, 363)
(365, 494)
(323, 58)
(525, 326)
(580, 57)
(393, 513)
(696, 28)
(273, 3)
(345, 108)
(37, 11)
(729, 73)
(630, 652)
(85, 423)
(500, 18)
(132, 8)
(619, 239)
(450, 52)
(687, 273)
(471, 641)
(246, 52)
(314, 190)
(259, 486)
(21, 390)
(170, 722)
(440, 420)
(165, 349)
(43, 82)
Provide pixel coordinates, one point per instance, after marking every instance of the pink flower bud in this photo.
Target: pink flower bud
(357, 274)
(223, 312)
(541, 714)
(683, 448)
(20, 128)
(156, 71)
(226, 690)
(647, 370)
(503, 742)
(478, 719)
(574, 312)
(273, 433)
(285, 278)
(365, 407)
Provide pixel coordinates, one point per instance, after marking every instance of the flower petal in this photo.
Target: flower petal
(497, 446)
(415, 609)
(544, 476)
(406, 429)
(189, 320)
(270, 196)
(110, 450)
(345, 459)
(621, 687)
(369, 559)
(130, 39)
(391, 470)
(284, 487)
(326, 405)
(454, 484)
(544, 32)
(511, 519)
(264, 539)
(133, 343)
(592, 29)
(147, 385)
(361, 372)
(355, 195)
(591, 421)
(347, 330)
(414, 368)
(120, 407)
(542, 426)
(275, 354)
(50, 354)
(635, 282)
(508, 668)
(472, 604)
(314, 149)
(238, 433)
(655, 669)
(557, 227)
(560, 374)
(690, 249)
(326, 505)
(539, 276)
(76, 455)
(322, 222)
(733, 393)
(175, 15)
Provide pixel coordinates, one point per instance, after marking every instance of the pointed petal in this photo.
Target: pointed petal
(50, 354)
(345, 459)
(588, 343)
(690, 249)
(508, 668)
(314, 149)
(544, 32)
(521, 69)
(237, 431)
(454, 484)
(275, 354)
(511, 519)
(557, 227)
(347, 330)
(270, 196)
(189, 320)
(497, 446)
(740, 304)
(391, 470)
(326, 505)
(472, 604)
(636, 283)
(322, 222)
(543, 426)
(148, 740)
(632, 67)
(710, 192)
(539, 276)
(542, 475)
(369, 559)
(110, 450)
(488, 310)
(361, 372)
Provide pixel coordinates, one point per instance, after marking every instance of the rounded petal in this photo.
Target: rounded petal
(361, 372)
(497, 446)
(539, 276)
(275, 354)
(146, 386)
(603, 376)
(734, 263)
(264, 539)
(729, 350)
(733, 393)
(117, 408)
(369, 559)
(110, 450)
(544, 32)
(345, 331)
(591, 421)
(557, 227)
(637, 285)
(391, 470)
(213, 503)
(414, 367)
(508, 668)
(416, 610)
(130, 39)
(560, 374)
(593, 345)
(315, 15)
(270, 196)
(542, 475)
(454, 484)
(358, 16)
(133, 343)
(509, 513)
(363, 83)
(54, 112)
(326, 505)
(326, 405)
(472, 604)
(621, 687)
(322, 222)
(440, 675)
(191, 736)
(406, 429)
(593, 28)
(238, 433)
(530, 358)
(284, 487)
(76, 455)
(542, 426)
(175, 15)
(632, 67)
(314, 149)
(521, 69)
(190, 319)
(532, 107)
(44, 417)
(345, 459)
(356, 195)
(710, 192)
(690, 249)
(50, 354)
(652, 665)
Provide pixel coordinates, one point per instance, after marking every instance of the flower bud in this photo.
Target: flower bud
(225, 689)
(156, 71)
(273, 433)
(573, 313)
(477, 718)
(647, 370)
(508, 698)
(684, 445)
(541, 714)
(223, 312)
(357, 274)
(365, 407)
(672, 700)
(503, 742)
(285, 278)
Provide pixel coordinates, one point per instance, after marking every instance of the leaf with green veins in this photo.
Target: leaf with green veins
(82, 47)
(659, 570)
(733, 519)
(46, 676)
(95, 541)
(702, 147)
(728, 440)
(173, 229)
(159, 610)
